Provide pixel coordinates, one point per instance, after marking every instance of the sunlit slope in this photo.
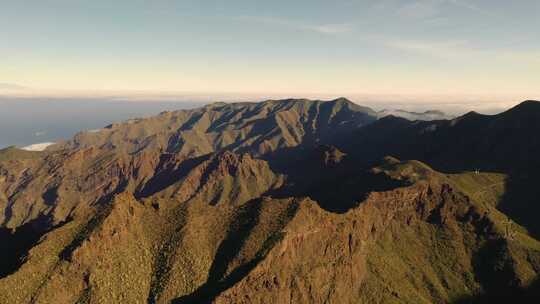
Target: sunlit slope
(426, 241)
(258, 203)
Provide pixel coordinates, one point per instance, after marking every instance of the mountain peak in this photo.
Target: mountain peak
(342, 99)
(527, 105)
(531, 101)
(529, 109)
(216, 104)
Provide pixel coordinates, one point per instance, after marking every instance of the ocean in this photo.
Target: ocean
(27, 121)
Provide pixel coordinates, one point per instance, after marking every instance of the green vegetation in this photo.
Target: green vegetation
(255, 203)
(13, 153)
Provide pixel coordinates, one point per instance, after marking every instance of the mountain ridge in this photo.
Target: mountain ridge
(282, 201)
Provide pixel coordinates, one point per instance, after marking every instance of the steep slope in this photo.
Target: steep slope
(259, 128)
(126, 156)
(425, 243)
(271, 202)
(176, 154)
(138, 242)
(505, 143)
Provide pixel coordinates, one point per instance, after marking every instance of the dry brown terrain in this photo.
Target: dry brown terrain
(272, 202)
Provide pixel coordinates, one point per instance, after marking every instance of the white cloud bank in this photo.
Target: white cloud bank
(38, 147)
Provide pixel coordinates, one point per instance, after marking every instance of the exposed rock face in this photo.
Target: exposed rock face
(126, 156)
(258, 128)
(252, 203)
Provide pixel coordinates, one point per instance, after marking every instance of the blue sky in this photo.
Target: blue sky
(409, 47)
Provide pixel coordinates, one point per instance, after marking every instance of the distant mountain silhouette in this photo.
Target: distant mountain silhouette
(426, 116)
(505, 142)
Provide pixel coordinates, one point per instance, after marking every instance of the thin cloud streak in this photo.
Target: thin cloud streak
(461, 50)
(11, 86)
(443, 49)
(337, 28)
(468, 5)
(327, 29)
(426, 9)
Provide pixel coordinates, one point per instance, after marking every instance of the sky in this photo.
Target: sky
(342, 48)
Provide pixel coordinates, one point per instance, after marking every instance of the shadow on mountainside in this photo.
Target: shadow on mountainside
(341, 193)
(335, 181)
(494, 268)
(168, 172)
(521, 202)
(14, 246)
(219, 278)
(528, 295)
(105, 209)
(504, 143)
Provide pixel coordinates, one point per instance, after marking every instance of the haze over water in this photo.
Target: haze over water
(26, 121)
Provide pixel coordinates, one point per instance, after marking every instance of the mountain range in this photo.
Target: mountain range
(282, 201)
